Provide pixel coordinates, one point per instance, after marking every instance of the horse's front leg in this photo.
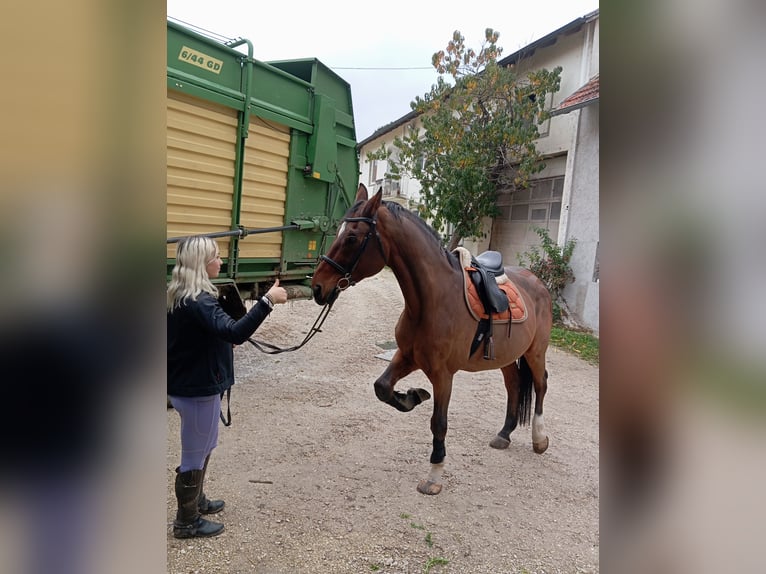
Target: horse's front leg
(398, 368)
(442, 385)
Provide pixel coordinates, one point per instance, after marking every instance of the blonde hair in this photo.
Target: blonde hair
(189, 277)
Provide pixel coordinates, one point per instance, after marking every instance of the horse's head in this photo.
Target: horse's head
(357, 251)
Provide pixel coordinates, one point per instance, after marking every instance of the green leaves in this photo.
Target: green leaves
(550, 262)
(478, 134)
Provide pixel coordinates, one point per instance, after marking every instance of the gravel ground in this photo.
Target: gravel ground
(319, 476)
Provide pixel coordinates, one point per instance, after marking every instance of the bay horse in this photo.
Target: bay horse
(436, 327)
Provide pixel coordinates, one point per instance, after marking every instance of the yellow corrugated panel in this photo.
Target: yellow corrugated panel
(201, 151)
(264, 187)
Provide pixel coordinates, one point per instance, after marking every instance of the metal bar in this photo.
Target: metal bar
(242, 232)
(243, 124)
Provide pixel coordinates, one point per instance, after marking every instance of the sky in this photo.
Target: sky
(351, 36)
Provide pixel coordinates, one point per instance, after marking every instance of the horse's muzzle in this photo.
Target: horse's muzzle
(320, 299)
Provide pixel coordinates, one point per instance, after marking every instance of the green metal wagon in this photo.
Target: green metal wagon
(260, 155)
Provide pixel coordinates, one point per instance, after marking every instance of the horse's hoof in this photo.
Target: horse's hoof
(499, 442)
(422, 394)
(540, 447)
(429, 487)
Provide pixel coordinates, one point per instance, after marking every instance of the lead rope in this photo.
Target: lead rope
(273, 350)
(226, 421)
(270, 349)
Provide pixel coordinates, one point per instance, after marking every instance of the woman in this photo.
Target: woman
(200, 368)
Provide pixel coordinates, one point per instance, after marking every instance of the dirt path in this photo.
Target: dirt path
(319, 476)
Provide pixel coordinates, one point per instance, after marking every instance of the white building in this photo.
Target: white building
(563, 197)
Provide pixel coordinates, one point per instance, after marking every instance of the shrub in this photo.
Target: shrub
(550, 262)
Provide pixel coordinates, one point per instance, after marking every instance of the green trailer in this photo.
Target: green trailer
(260, 155)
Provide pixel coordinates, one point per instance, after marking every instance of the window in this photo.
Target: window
(520, 212)
(538, 213)
(540, 202)
(544, 128)
(528, 121)
(391, 187)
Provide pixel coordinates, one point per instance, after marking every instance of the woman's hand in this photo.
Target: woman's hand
(277, 294)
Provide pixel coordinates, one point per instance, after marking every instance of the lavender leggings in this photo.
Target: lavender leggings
(199, 428)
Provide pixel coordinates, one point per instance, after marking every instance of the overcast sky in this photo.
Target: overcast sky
(388, 34)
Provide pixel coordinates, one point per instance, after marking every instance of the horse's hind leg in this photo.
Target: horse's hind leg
(533, 365)
(512, 389)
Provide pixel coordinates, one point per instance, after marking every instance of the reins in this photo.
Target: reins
(270, 349)
(342, 285)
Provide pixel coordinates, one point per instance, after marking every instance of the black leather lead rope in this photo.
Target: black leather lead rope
(270, 349)
(226, 421)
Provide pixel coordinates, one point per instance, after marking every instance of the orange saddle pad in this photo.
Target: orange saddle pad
(516, 312)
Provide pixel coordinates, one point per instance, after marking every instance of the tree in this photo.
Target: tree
(479, 135)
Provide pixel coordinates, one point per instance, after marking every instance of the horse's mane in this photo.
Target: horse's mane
(401, 212)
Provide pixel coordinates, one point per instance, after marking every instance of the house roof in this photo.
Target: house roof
(548, 39)
(586, 95)
(517, 56)
(388, 127)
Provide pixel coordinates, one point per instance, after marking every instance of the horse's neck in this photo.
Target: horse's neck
(423, 271)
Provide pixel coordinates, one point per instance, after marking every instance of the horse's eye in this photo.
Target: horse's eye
(350, 239)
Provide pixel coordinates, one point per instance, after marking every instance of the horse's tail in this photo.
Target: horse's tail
(525, 392)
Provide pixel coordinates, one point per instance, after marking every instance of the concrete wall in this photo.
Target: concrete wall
(567, 52)
(583, 219)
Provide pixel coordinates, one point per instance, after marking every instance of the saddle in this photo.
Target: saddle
(486, 267)
(485, 271)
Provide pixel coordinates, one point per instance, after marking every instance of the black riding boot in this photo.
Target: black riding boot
(188, 522)
(207, 506)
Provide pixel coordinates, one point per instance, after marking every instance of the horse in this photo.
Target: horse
(436, 327)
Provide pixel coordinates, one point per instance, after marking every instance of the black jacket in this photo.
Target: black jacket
(200, 339)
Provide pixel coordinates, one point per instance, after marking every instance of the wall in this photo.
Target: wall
(567, 52)
(583, 220)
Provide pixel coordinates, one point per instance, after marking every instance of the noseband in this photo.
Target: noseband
(345, 282)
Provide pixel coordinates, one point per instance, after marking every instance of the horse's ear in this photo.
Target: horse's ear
(361, 193)
(372, 206)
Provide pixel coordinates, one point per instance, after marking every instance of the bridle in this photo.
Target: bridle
(345, 282)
